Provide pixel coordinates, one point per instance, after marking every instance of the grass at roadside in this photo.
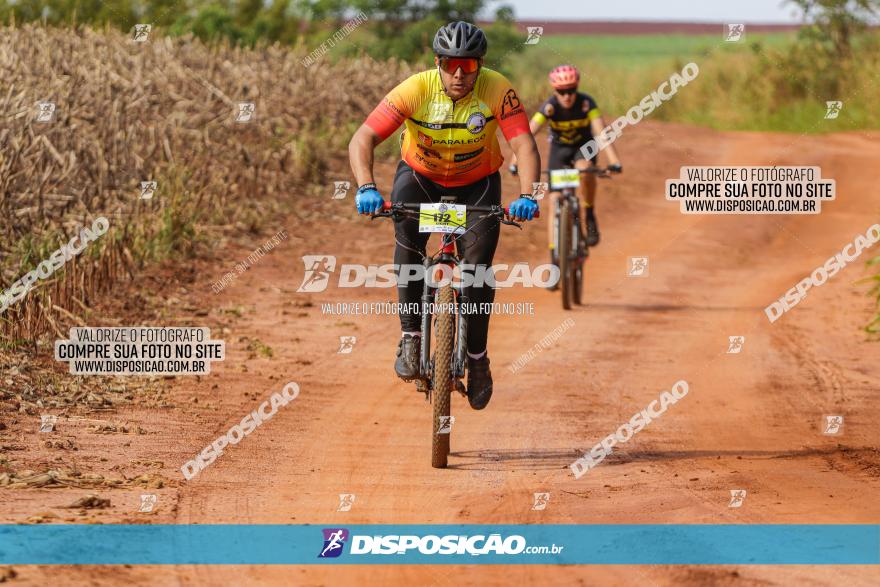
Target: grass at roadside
(164, 112)
(753, 84)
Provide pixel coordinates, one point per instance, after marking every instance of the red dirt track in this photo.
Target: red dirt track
(750, 421)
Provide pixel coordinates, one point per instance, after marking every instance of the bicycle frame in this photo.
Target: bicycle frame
(446, 257)
(569, 194)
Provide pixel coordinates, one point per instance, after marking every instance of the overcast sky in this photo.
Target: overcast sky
(768, 11)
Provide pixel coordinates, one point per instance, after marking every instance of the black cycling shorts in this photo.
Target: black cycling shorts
(477, 247)
(564, 156)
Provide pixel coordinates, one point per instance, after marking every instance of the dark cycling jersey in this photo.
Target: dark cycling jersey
(569, 126)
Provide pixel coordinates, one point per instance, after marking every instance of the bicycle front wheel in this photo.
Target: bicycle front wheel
(441, 378)
(566, 223)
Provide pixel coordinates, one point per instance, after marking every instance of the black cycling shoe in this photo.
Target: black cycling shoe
(479, 382)
(592, 229)
(407, 364)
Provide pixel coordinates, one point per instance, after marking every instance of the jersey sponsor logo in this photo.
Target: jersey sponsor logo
(473, 141)
(430, 125)
(428, 164)
(476, 122)
(425, 139)
(467, 167)
(430, 152)
(510, 103)
(549, 110)
(458, 157)
(569, 124)
(439, 111)
(395, 113)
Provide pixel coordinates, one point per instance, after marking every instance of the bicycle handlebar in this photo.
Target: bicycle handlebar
(599, 171)
(496, 210)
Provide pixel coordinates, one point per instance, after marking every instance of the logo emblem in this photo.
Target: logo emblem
(47, 422)
(246, 112)
(346, 500)
(340, 188)
(445, 424)
(737, 497)
(735, 32)
(511, 102)
(535, 33)
(141, 33)
(148, 189)
(833, 424)
(318, 270)
(638, 267)
(539, 189)
(425, 139)
(45, 111)
(476, 122)
(346, 344)
(541, 501)
(334, 540)
(439, 111)
(832, 109)
(148, 501)
(736, 344)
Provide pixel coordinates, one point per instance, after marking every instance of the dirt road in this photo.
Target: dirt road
(751, 420)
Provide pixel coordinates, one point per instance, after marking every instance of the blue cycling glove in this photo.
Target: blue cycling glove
(368, 200)
(523, 208)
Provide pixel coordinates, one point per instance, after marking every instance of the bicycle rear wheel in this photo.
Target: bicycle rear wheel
(441, 378)
(580, 252)
(565, 259)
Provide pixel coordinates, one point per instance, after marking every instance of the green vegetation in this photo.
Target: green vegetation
(618, 70)
(777, 81)
(401, 29)
(873, 327)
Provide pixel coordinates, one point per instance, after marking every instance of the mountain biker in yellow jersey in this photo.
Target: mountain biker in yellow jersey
(449, 147)
(574, 119)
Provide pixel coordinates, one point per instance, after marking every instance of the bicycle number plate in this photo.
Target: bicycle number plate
(442, 218)
(564, 178)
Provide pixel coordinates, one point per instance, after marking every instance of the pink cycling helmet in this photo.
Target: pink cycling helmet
(564, 76)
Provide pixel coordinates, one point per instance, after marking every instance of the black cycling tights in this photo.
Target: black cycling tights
(477, 247)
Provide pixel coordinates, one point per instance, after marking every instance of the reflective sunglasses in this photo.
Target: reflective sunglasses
(451, 64)
(566, 92)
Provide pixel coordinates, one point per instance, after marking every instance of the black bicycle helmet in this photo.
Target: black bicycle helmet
(460, 39)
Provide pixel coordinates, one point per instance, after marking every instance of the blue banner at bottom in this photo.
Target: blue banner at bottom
(608, 544)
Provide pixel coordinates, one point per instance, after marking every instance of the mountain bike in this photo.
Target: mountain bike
(444, 370)
(570, 250)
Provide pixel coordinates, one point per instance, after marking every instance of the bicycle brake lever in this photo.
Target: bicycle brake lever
(511, 223)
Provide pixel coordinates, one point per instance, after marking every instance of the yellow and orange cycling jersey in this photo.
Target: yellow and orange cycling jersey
(451, 143)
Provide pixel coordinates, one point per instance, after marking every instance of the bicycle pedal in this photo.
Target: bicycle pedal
(422, 386)
(459, 387)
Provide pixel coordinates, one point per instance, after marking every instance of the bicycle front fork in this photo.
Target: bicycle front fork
(459, 354)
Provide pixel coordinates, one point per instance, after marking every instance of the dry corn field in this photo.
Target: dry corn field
(163, 111)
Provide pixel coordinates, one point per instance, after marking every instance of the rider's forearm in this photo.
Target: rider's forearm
(529, 161)
(597, 126)
(612, 155)
(360, 153)
(534, 128)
